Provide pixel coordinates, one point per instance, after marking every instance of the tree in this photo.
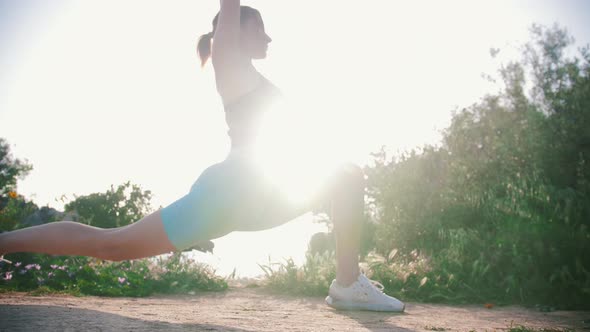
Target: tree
(11, 169)
(562, 90)
(115, 208)
(12, 206)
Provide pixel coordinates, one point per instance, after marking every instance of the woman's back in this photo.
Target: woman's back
(244, 114)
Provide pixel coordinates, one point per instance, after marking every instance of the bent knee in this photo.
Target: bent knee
(345, 185)
(348, 179)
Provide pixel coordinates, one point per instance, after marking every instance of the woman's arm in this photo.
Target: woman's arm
(226, 43)
(226, 47)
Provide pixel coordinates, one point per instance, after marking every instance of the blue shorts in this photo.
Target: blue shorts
(233, 195)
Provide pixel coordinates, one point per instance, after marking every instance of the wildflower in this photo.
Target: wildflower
(12, 194)
(53, 266)
(8, 275)
(33, 266)
(121, 280)
(17, 264)
(63, 268)
(50, 274)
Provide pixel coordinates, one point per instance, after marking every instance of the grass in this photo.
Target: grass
(522, 328)
(312, 279)
(169, 274)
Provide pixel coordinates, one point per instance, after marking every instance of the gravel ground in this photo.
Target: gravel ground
(245, 309)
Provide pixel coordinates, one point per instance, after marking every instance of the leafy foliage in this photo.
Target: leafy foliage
(115, 208)
(13, 206)
(11, 169)
(15, 210)
(171, 274)
(501, 209)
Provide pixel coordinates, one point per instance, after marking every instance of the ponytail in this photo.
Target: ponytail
(204, 43)
(204, 47)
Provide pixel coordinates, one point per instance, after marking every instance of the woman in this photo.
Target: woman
(232, 195)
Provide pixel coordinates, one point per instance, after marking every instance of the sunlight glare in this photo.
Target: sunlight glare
(295, 150)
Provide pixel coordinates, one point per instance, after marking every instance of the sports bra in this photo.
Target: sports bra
(243, 115)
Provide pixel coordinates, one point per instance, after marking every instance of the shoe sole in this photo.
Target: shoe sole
(343, 305)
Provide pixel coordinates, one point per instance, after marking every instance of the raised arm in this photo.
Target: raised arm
(225, 55)
(227, 35)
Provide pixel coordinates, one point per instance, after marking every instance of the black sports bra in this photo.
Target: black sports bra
(243, 115)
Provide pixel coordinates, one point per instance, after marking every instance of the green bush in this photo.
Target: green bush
(89, 276)
(115, 208)
(501, 209)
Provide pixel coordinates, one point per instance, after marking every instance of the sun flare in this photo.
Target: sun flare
(295, 150)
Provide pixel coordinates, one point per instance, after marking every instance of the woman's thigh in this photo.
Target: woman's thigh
(230, 196)
(204, 213)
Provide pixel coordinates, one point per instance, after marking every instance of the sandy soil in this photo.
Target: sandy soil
(256, 310)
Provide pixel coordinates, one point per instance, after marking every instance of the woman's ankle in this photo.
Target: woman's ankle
(347, 278)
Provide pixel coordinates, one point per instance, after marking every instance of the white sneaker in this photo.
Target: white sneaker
(363, 294)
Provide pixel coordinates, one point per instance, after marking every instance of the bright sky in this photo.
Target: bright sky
(95, 93)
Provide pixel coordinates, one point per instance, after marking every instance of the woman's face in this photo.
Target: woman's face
(254, 40)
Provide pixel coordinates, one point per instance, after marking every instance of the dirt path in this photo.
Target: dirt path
(255, 310)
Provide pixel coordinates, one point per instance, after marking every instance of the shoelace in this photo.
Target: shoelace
(377, 285)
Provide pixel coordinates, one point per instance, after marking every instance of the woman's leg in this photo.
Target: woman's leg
(347, 196)
(143, 238)
(342, 195)
(351, 290)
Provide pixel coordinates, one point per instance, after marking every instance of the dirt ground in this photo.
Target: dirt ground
(256, 310)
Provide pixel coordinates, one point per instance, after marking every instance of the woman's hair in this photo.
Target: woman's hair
(204, 43)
